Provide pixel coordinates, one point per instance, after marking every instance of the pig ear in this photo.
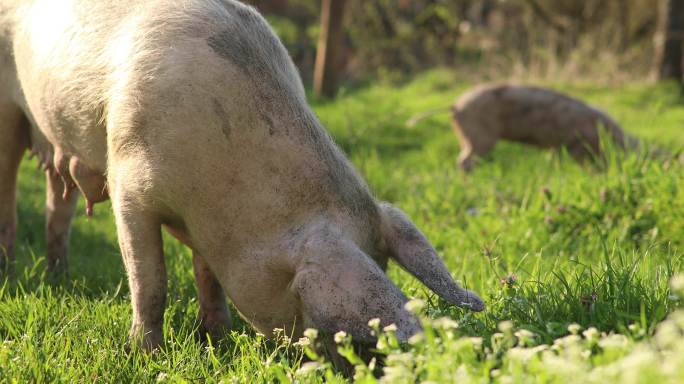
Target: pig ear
(341, 289)
(409, 247)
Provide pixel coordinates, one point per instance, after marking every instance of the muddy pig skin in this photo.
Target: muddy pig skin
(190, 116)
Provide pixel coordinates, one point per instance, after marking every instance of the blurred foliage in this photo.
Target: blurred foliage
(507, 37)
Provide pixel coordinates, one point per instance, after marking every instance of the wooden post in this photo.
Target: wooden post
(329, 46)
(670, 41)
(623, 12)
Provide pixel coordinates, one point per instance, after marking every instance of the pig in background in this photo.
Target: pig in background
(529, 115)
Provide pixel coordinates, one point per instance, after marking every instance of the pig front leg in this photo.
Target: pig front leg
(475, 139)
(214, 315)
(58, 214)
(140, 240)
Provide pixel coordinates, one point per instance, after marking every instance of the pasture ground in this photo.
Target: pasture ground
(575, 263)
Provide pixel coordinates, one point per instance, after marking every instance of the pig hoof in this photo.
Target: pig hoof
(145, 339)
(57, 277)
(58, 271)
(6, 267)
(216, 326)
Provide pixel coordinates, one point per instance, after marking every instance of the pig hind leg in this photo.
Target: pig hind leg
(59, 214)
(13, 143)
(214, 315)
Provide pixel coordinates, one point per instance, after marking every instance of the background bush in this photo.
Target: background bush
(610, 39)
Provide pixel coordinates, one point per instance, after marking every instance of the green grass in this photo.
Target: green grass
(573, 245)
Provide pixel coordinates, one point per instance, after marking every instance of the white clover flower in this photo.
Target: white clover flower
(308, 368)
(497, 337)
(567, 341)
(477, 342)
(524, 333)
(574, 328)
(522, 355)
(396, 374)
(371, 365)
(667, 334)
(445, 323)
(415, 306)
(677, 318)
(390, 328)
(677, 283)
(564, 367)
(638, 359)
(525, 337)
(303, 342)
(405, 358)
(591, 334)
(340, 337)
(381, 344)
(416, 339)
(374, 323)
(540, 348)
(505, 326)
(311, 333)
(616, 341)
